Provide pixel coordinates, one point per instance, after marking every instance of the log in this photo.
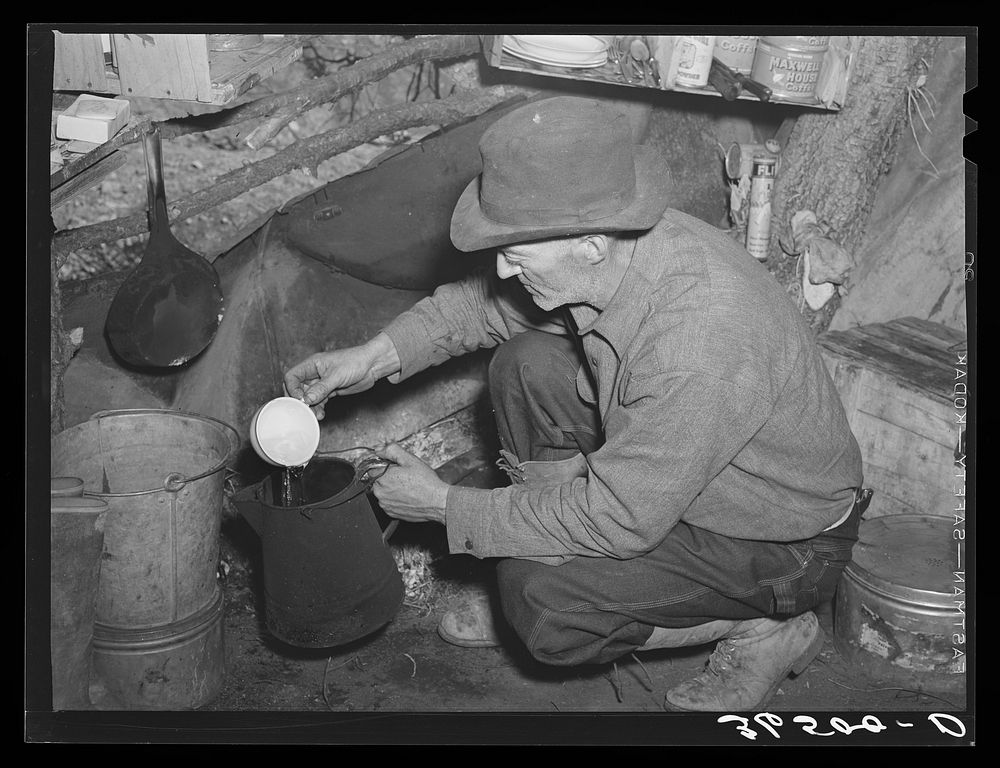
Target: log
(307, 153)
(325, 89)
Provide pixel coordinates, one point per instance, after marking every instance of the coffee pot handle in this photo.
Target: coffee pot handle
(372, 468)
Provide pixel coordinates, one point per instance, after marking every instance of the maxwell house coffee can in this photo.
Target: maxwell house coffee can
(801, 42)
(790, 69)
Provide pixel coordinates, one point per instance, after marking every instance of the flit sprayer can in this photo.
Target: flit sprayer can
(759, 219)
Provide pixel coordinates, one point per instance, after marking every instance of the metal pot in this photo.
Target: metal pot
(899, 612)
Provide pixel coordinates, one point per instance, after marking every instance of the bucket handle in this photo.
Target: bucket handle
(174, 481)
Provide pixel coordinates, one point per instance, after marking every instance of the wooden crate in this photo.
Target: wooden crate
(897, 381)
(159, 66)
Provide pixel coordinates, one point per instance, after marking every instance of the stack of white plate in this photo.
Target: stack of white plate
(578, 51)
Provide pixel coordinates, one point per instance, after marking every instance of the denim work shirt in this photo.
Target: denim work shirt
(716, 405)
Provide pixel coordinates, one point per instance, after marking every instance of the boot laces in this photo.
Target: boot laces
(721, 659)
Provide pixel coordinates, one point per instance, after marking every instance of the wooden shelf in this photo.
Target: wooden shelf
(233, 73)
(610, 73)
(177, 67)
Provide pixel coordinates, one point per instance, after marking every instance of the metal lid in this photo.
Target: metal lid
(66, 486)
(81, 504)
(909, 557)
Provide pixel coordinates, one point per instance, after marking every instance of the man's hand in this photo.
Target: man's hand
(410, 490)
(341, 372)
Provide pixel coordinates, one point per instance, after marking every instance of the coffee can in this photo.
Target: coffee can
(791, 71)
(800, 42)
(736, 52)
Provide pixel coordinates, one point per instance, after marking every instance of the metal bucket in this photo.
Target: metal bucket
(329, 577)
(76, 538)
(161, 473)
(791, 71)
(900, 606)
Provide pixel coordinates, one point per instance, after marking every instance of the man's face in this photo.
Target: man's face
(551, 271)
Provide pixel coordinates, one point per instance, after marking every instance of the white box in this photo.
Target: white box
(93, 118)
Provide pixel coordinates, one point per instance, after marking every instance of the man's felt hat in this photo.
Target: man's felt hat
(560, 166)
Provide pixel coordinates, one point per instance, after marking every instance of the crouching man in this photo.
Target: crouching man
(682, 468)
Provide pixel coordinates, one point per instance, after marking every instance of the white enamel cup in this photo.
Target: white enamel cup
(284, 432)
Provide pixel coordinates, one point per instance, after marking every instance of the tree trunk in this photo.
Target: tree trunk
(833, 162)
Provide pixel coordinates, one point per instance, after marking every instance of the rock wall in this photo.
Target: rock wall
(911, 259)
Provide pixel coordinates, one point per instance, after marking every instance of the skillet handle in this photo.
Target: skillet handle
(155, 191)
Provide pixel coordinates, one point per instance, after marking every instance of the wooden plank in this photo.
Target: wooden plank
(934, 371)
(79, 63)
(86, 179)
(910, 456)
(947, 338)
(163, 66)
(847, 378)
(875, 354)
(233, 73)
(899, 495)
(867, 392)
(889, 402)
(931, 354)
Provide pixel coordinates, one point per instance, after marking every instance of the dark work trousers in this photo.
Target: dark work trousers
(596, 609)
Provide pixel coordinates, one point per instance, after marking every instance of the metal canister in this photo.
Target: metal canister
(900, 606)
(694, 60)
(759, 219)
(791, 71)
(736, 51)
(740, 157)
(800, 42)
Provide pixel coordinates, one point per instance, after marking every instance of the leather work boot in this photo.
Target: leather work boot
(470, 624)
(746, 668)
